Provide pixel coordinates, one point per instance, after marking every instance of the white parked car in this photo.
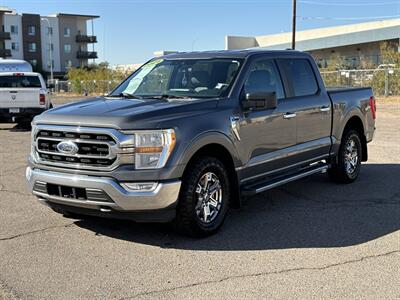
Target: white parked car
(23, 95)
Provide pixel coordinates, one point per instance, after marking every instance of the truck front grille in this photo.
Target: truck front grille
(93, 148)
(69, 192)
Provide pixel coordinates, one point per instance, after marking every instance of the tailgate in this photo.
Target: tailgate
(19, 97)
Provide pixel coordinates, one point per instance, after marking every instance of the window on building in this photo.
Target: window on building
(31, 47)
(50, 46)
(33, 62)
(67, 31)
(14, 46)
(14, 29)
(31, 30)
(68, 63)
(50, 64)
(300, 75)
(49, 30)
(67, 48)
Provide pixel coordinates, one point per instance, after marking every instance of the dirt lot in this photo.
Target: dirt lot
(308, 239)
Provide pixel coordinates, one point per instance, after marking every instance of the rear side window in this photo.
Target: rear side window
(20, 82)
(300, 76)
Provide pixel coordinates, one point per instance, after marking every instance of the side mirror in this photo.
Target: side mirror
(260, 100)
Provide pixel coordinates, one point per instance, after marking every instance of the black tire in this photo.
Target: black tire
(340, 171)
(24, 124)
(187, 220)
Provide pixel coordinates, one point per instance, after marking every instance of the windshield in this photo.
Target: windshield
(183, 78)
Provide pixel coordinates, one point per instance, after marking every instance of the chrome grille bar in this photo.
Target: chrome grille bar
(100, 149)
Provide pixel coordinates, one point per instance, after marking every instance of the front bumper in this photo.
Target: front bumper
(24, 112)
(163, 196)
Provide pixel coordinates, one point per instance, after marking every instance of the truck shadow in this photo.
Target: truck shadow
(311, 213)
(20, 127)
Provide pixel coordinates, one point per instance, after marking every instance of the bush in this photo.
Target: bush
(95, 78)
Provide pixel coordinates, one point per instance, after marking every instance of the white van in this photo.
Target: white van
(15, 65)
(23, 95)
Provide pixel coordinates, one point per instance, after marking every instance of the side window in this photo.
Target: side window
(300, 76)
(264, 77)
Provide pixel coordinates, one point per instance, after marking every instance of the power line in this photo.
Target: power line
(350, 4)
(305, 18)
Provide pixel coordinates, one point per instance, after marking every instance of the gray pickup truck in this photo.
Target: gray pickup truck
(189, 135)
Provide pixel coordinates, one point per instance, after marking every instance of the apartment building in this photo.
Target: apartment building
(55, 42)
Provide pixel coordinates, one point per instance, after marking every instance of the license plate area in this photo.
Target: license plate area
(14, 110)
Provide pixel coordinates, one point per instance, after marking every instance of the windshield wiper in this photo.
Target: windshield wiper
(168, 96)
(126, 95)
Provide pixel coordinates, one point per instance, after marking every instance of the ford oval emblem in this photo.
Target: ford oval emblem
(68, 147)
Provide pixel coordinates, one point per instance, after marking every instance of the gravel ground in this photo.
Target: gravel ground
(307, 239)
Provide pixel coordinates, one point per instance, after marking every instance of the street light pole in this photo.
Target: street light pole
(294, 25)
(50, 48)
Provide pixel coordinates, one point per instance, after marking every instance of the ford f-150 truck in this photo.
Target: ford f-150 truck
(189, 135)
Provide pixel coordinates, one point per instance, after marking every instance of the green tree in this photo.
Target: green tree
(390, 59)
(95, 78)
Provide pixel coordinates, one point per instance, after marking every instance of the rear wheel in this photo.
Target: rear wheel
(204, 198)
(348, 163)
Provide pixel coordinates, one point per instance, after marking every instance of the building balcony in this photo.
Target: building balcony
(86, 38)
(5, 35)
(5, 53)
(86, 54)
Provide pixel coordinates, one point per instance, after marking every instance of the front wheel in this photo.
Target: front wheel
(204, 198)
(348, 164)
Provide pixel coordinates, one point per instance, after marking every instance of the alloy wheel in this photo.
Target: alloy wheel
(209, 195)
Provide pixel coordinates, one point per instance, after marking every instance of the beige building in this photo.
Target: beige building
(352, 42)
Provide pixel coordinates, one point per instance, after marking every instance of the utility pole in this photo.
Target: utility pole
(294, 25)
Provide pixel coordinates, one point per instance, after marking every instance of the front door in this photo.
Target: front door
(265, 135)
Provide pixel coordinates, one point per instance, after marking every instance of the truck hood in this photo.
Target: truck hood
(124, 113)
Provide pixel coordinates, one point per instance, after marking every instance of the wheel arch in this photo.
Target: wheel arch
(355, 123)
(220, 147)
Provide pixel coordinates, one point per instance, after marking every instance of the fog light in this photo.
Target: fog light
(140, 186)
(28, 173)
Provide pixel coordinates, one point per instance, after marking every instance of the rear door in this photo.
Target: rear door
(19, 90)
(311, 107)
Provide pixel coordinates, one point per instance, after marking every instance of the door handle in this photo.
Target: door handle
(13, 92)
(325, 108)
(289, 115)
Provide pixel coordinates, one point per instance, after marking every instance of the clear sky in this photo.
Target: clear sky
(129, 31)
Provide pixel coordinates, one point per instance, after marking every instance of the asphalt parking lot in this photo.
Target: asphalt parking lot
(307, 239)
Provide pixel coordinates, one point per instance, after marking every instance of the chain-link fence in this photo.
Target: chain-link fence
(383, 81)
(85, 87)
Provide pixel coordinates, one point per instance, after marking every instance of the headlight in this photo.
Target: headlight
(33, 146)
(153, 148)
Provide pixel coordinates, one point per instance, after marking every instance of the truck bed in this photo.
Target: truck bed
(359, 99)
